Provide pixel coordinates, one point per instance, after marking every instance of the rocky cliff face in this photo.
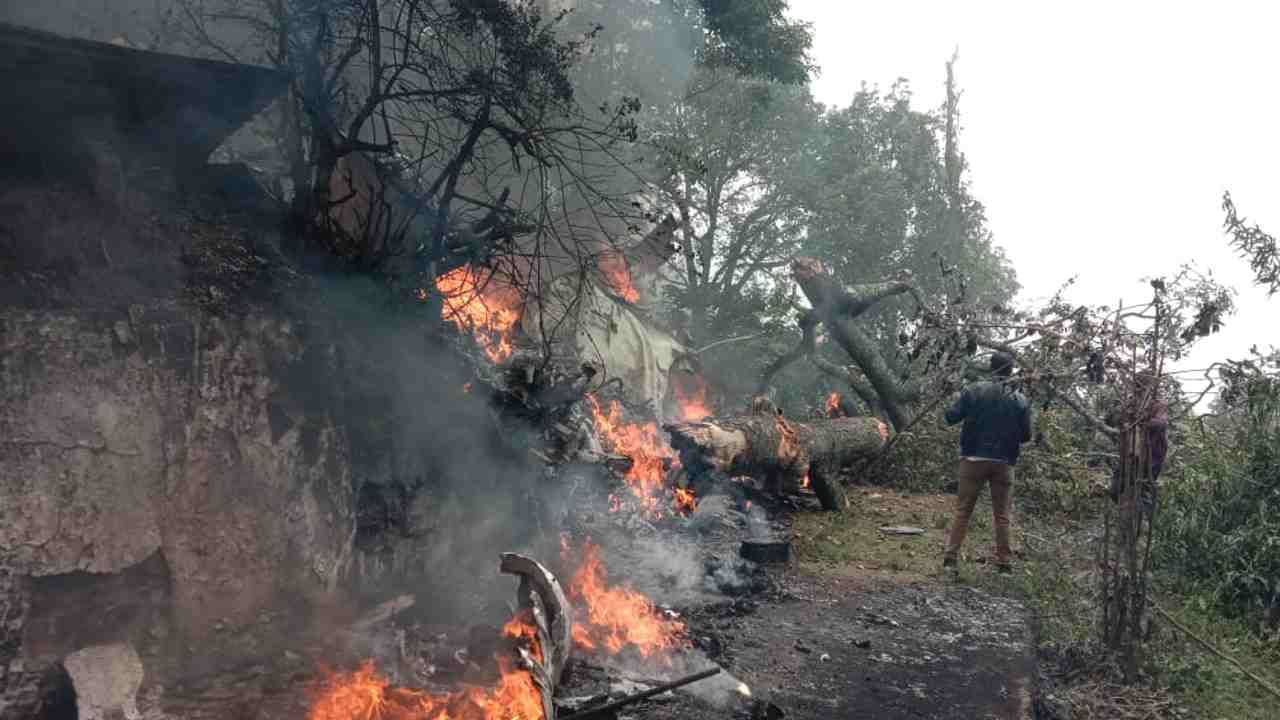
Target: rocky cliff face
(209, 460)
(167, 445)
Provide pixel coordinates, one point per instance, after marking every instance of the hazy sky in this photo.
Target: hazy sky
(1100, 135)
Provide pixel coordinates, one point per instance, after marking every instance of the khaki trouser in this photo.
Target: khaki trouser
(972, 475)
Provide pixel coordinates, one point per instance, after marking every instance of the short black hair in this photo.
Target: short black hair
(1001, 364)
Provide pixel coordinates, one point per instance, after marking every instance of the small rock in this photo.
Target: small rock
(902, 530)
(862, 643)
(801, 647)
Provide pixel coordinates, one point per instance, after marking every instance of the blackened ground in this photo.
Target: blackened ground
(851, 648)
(838, 640)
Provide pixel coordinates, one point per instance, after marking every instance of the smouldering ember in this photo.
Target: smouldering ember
(691, 397)
(611, 618)
(477, 302)
(788, 443)
(366, 695)
(613, 266)
(650, 456)
(686, 502)
(833, 405)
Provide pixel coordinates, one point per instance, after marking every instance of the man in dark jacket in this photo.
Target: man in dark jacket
(997, 420)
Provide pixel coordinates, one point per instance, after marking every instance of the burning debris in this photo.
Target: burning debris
(690, 391)
(608, 621)
(648, 458)
(833, 408)
(529, 664)
(784, 452)
(477, 302)
(617, 276)
(364, 694)
(615, 618)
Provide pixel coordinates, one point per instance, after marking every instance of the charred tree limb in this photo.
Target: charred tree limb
(857, 383)
(781, 451)
(893, 396)
(603, 710)
(808, 348)
(835, 307)
(830, 298)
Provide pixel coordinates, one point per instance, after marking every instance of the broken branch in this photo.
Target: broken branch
(642, 695)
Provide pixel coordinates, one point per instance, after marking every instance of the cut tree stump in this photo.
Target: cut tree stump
(779, 450)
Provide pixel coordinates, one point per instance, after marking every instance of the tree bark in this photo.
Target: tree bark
(781, 451)
(835, 307)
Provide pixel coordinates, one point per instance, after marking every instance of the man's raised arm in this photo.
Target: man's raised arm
(959, 410)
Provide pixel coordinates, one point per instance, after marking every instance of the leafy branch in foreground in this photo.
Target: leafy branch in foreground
(1255, 244)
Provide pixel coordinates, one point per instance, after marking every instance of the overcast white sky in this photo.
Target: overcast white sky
(1100, 135)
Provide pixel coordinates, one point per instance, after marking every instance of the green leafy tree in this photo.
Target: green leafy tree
(1219, 527)
(649, 48)
(727, 153)
(886, 197)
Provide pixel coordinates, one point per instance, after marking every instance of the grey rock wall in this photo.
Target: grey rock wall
(166, 437)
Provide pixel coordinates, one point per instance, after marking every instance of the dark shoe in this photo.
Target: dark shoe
(948, 563)
(1004, 569)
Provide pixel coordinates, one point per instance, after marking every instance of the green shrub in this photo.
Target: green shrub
(1218, 523)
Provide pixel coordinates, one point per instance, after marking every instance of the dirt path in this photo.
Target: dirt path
(846, 647)
(872, 638)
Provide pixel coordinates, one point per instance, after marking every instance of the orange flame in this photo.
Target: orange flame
(613, 265)
(366, 695)
(691, 397)
(477, 302)
(833, 405)
(686, 501)
(805, 483)
(612, 618)
(788, 443)
(649, 453)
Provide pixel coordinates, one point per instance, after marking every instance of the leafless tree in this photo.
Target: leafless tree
(440, 132)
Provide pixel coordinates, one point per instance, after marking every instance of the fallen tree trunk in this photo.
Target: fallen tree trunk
(781, 451)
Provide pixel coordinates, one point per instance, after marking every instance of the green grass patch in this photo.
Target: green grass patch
(1210, 686)
(852, 540)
